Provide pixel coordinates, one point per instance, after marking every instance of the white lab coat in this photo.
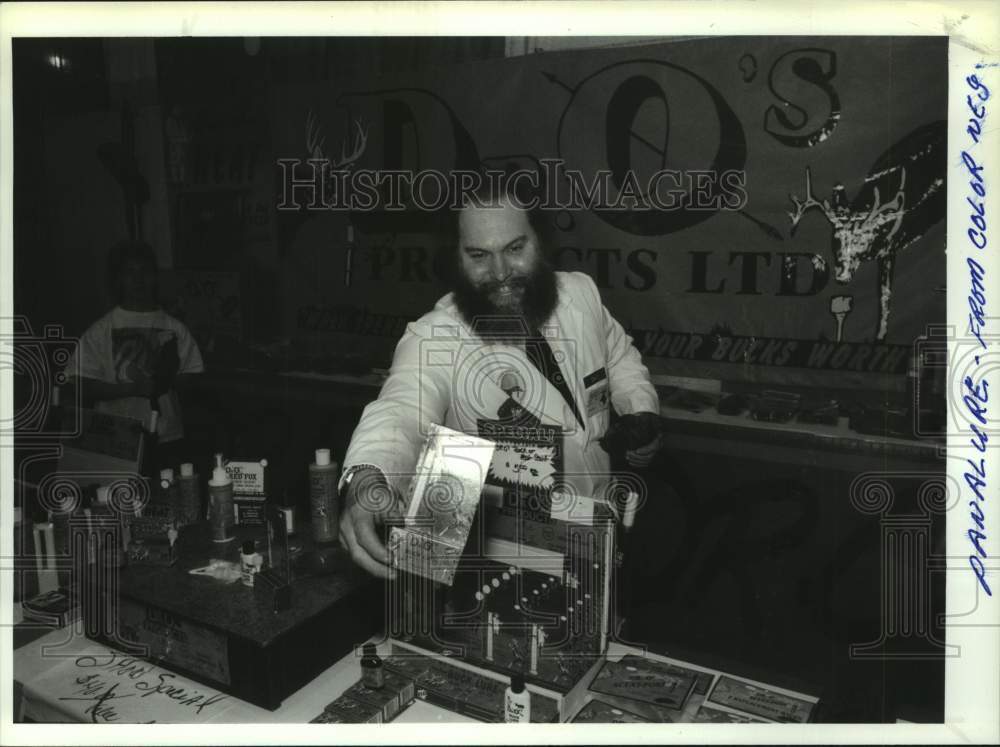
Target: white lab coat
(442, 373)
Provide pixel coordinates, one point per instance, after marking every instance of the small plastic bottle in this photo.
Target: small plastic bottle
(323, 498)
(220, 502)
(516, 702)
(189, 496)
(372, 673)
(250, 563)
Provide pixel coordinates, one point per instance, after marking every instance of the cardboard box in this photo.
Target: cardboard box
(599, 712)
(345, 710)
(250, 511)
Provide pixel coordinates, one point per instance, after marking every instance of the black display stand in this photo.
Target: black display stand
(226, 635)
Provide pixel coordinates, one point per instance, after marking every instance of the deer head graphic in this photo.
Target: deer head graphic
(902, 196)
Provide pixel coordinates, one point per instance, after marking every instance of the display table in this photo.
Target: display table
(65, 677)
(48, 669)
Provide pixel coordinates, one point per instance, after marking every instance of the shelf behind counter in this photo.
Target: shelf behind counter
(790, 441)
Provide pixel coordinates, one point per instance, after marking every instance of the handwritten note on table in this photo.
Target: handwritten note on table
(105, 686)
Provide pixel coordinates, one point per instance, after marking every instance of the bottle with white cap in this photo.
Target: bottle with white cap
(323, 507)
(220, 502)
(189, 496)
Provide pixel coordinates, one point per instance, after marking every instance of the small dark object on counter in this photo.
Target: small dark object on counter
(733, 404)
(273, 590)
(884, 421)
(823, 413)
(776, 407)
(372, 671)
(689, 400)
(55, 608)
(151, 551)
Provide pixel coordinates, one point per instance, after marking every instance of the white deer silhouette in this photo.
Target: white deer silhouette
(862, 235)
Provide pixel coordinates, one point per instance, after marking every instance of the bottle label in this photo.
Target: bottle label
(515, 711)
(323, 505)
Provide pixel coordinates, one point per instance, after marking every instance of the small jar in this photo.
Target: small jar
(372, 672)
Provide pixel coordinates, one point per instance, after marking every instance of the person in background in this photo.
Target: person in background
(548, 352)
(135, 358)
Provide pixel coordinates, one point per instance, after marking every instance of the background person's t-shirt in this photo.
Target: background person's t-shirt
(124, 345)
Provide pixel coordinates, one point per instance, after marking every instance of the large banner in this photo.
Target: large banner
(758, 208)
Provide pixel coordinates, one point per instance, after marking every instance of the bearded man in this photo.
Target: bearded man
(509, 317)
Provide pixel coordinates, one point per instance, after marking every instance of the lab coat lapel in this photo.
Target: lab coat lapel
(565, 334)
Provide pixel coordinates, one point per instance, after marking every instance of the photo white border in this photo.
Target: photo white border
(973, 693)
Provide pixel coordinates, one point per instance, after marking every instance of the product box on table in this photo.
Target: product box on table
(762, 701)
(250, 489)
(527, 575)
(396, 693)
(464, 689)
(346, 710)
(652, 689)
(599, 712)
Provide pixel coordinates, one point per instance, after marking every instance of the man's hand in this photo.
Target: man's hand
(642, 456)
(638, 435)
(369, 502)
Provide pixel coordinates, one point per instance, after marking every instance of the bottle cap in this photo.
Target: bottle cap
(322, 457)
(167, 474)
(220, 476)
(248, 547)
(187, 469)
(219, 461)
(517, 683)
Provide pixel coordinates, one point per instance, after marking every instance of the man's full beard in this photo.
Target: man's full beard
(539, 299)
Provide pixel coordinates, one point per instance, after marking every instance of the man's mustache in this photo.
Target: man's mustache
(521, 281)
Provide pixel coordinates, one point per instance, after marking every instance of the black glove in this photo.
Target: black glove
(631, 432)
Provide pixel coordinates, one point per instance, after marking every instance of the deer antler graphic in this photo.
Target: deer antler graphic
(315, 142)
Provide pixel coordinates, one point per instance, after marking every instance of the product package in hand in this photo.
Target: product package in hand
(444, 497)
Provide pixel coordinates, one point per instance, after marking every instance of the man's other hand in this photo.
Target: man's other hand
(369, 502)
(642, 437)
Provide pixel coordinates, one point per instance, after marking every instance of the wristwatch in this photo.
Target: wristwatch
(345, 481)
